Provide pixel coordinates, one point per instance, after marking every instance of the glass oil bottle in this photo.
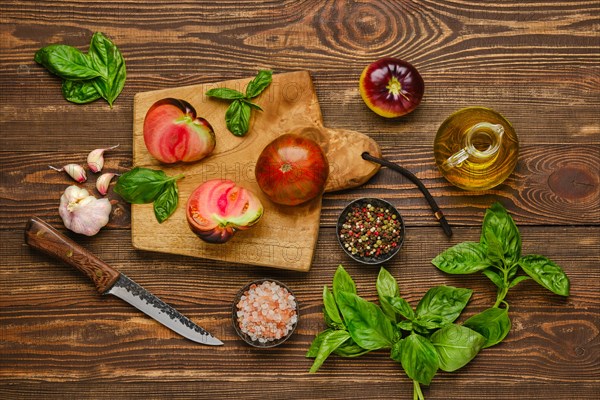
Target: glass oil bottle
(476, 148)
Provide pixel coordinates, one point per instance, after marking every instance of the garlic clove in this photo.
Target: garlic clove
(75, 171)
(103, 182)
(83, 213)
(95, 159)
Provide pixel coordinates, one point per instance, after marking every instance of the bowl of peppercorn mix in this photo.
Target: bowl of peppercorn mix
(370, 230)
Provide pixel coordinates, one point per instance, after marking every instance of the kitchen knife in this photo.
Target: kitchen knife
(41, 236)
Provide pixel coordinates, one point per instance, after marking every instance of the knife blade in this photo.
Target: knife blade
(41, 236)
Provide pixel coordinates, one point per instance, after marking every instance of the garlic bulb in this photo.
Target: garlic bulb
(82, 212)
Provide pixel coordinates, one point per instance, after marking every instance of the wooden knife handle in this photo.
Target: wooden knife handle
(41, 236)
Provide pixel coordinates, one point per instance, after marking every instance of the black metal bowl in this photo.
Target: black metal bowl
(363, 202)
(247, 338)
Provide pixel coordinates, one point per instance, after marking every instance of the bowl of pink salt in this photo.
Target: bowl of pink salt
(265, 313)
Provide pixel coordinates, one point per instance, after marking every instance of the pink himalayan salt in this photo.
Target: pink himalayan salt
(266, 312)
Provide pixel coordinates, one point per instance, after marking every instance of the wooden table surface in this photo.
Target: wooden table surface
(536, 62)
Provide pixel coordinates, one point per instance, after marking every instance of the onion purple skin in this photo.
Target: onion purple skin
(391, 87)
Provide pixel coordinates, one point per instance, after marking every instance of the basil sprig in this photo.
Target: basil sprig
(237, 116)
(144, 185)
(498, 256)
(422, 340)
(86, 77)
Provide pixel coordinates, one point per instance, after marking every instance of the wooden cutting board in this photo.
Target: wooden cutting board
(286, 236)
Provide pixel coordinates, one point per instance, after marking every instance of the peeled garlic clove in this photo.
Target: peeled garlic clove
(75, 171)
(95, 159)
(83, 213)
(103, 181)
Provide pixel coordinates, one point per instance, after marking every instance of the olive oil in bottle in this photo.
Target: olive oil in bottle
(476, 148)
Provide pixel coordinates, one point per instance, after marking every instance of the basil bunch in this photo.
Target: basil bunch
(498, 256)
(427, 338)
(422, 340)
(144, 185)
(86, 77)
(237, 116)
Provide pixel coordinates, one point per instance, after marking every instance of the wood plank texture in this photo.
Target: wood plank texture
(523, 59)
(85, 337)
(536, 62)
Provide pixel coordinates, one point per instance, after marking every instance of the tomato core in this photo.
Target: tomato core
(285, 168)
(394, 86)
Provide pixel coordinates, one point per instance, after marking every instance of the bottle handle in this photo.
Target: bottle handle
(456, 159)
(493, 134)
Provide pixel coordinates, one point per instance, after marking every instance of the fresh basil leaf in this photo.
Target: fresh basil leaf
(237, 118)
(493, 324)
(107, 59)
(80, 92)
(500, 223)
(400, 306)
(331, 310)
(387, 287)
(445, 302)
(225, 94)
(494, 277)
(495, 251)
(396, 351)
(418, 328)
(518, 280)
(546, 273)
(347, 349)
(342, 282)
(418, 358)
(142, 185)
(425, 323)
(329, 322)
(463, 258)
(259, 83)
(252, 105)
(512, 271)
(350, 349)
(313, 350)
(67, 62)
(405, 325)
(166, 203)
(330, 341)
(367, 324)
(456, 346)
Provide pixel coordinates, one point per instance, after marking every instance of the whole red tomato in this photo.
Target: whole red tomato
(292, 170)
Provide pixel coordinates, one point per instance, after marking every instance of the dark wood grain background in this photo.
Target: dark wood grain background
(536, 62)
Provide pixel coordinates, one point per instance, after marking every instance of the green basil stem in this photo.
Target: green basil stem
(417, 393)
(174, 178)
(503, 291)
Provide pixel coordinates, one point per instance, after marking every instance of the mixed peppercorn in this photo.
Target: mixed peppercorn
(371, 231)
